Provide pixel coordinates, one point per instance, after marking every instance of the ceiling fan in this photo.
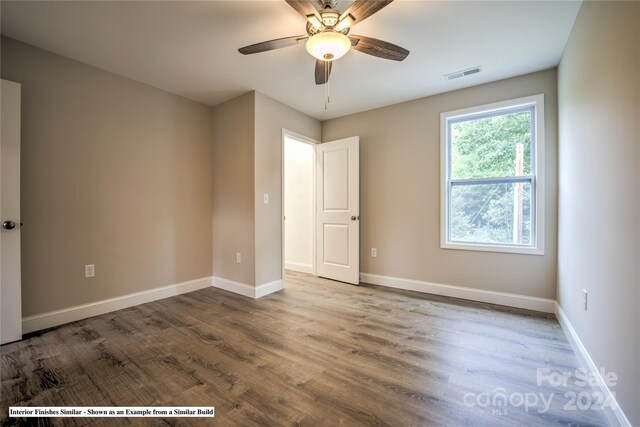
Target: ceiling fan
(328, 36)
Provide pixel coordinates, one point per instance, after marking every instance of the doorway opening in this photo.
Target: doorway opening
(321, 207)
(299, 203)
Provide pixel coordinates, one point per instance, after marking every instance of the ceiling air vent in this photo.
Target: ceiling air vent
(463, 73)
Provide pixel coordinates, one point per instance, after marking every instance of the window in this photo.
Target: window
(493, 177)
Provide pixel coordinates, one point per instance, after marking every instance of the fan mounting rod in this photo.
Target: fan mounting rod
(328, 4)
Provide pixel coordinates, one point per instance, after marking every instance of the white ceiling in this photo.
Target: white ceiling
(190, 48)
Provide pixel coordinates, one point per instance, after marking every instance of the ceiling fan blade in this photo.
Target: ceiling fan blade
(303, 7)
(323, 69)
(379, 48)
(271, 45)
(362, 9)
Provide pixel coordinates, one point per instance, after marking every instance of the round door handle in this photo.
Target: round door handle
(8, 225)
(353, 217)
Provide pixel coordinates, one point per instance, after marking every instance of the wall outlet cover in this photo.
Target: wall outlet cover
(89, 270)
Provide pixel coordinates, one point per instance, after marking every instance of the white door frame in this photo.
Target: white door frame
(314, 143)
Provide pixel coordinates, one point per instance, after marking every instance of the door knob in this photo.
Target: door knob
(353, 217)
(8, 225)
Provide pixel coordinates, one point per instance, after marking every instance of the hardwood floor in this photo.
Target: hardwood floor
(319, 353)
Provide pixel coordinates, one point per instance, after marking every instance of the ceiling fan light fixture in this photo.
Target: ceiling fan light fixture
(328, 45)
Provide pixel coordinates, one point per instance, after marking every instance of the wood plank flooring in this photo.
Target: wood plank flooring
(319, 353)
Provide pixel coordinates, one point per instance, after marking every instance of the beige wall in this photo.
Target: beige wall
(271, 117)
(599, 204)
(114, 173)
(247, 137)
(400, 192)
(233, 189)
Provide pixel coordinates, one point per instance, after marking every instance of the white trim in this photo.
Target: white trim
(299, 137)
(299, 266)
(538, 182)
(79, 312)
(269, 288)
(235, 287)
(502, 298)
(614, 412)
(248, 290)
(493, 248)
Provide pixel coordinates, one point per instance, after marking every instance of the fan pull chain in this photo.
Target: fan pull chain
(326, 86)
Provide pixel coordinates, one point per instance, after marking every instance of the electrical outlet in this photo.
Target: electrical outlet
(374, 252)
(90, 270)
(585, 299)
(238, 257)
(265, 198)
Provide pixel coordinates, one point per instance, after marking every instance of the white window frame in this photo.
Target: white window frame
(537, 180)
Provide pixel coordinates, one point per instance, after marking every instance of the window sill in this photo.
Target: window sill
(494, 248)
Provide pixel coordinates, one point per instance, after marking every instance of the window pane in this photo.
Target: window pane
(491, 213)
(494, 146)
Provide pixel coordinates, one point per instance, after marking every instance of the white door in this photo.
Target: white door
(338, 204)
(10, 298)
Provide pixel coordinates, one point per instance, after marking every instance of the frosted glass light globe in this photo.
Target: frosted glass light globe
(328, 45)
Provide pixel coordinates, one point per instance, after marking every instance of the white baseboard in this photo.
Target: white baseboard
(247, 290)
(298, 266)
(614, 412)
(269, 288)
(235, 287)
(503, 298)
(79, 312)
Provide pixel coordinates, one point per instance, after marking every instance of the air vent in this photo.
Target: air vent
(463, 73)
